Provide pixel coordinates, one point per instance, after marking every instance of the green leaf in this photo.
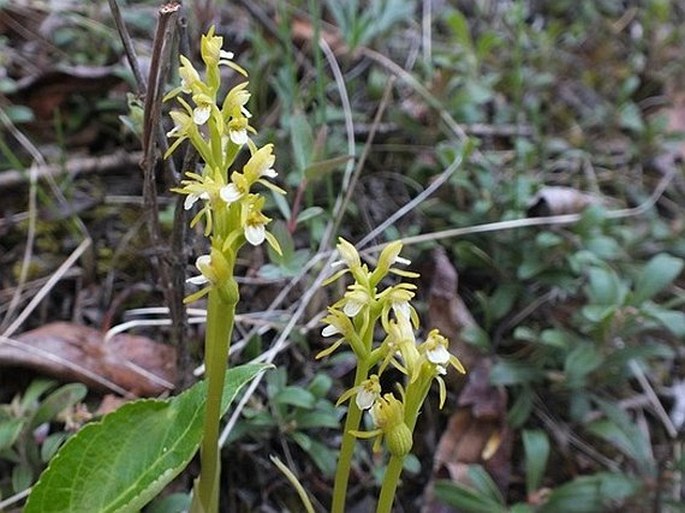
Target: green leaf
(484, 484)
(503, 299)
(598, 313)
(174, 503)
(324, 458)
(604, 287)
(579, 363)
(466, 499)
(19, 113)
(22, 477)
(37, 388)
(51, 444)
(295, 396)
(317, 419)
(320, 385)
(522, 408)
(510, 372)
(62, 398)
(619, 430)
(309, 213)
(536, 445)
(302, 140)
(672, 320)
(656, 275)
(590, 494)
(121, 462)
(9, 432)
(556, 338)
(321, 168)
(521, 508)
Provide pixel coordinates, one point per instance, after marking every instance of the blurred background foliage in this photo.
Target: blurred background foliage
(523, 108)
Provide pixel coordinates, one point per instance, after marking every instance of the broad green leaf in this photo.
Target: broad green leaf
(503, 299)
(9, 431)
(19, 113)
(466, 499)
(123, 461)
(657, 274)
(536, 445)
(459, 26)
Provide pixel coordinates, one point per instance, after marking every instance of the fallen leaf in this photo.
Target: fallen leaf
(477, 433)
(558, 201)
(126, 364)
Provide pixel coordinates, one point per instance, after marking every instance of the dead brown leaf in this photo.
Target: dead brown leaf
(127, 364)
(477, 433)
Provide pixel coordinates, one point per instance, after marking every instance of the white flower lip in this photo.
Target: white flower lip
(192, 198)
(230, 193)
(365, 399)
(255, 234)
(201, 114)
(329, 331)
(197, 280)
(352, 308)
(439, 356)
(238, 136)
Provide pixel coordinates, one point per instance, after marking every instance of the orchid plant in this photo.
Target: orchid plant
(107, 467)
(232, 216)
(355, 320)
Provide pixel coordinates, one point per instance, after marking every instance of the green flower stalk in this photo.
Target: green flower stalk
(232, 216)
(354, 319)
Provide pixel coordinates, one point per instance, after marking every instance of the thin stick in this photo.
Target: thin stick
(72, 167)
(170, 268)
(14, 498)
(128, 46)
